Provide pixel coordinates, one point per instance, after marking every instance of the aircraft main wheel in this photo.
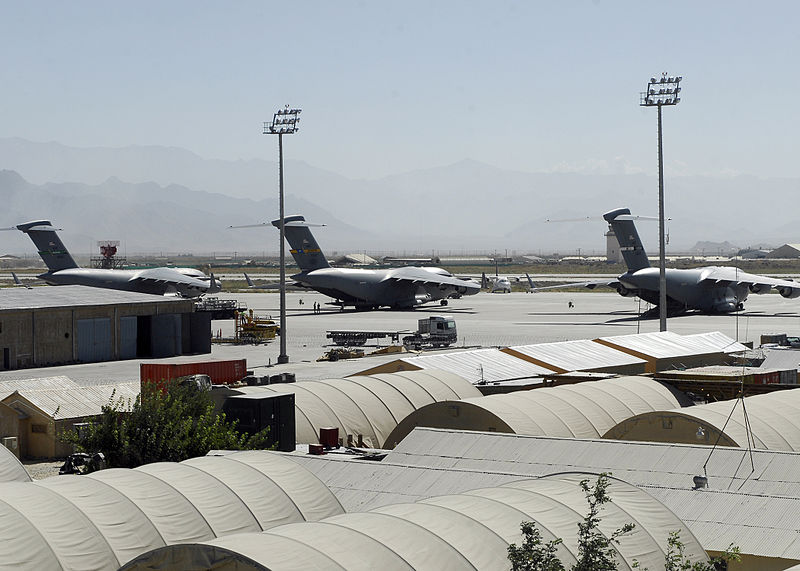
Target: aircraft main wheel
(443, 302)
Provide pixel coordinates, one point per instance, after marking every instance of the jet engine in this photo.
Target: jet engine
(759, 288)
(789, 292)
(625, 292)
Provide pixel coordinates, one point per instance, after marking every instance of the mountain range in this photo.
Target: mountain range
(165, 199)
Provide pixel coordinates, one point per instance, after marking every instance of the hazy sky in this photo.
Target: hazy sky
(388, 87)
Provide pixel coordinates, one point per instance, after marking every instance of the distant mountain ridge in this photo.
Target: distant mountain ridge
(464, 207)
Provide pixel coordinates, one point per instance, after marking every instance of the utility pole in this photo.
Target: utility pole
(660, 92)
(284, 122)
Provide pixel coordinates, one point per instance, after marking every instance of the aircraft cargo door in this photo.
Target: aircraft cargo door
(127, 337)
(94, 340)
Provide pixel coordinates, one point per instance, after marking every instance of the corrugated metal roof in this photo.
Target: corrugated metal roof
(716, 341)
(72, 402)
(580, 355)
(781, 359)
(52, 383)
(487, 365)
(75, 295)
(666, 344)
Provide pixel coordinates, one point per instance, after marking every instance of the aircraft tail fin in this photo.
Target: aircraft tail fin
(630, 245)
(530, 282)
(18, 282)
(51, 248)
(304, 247)
(249, 281)
(214, 286)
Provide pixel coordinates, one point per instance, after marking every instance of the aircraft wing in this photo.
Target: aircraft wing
(755, 283)
(416, 276)
(168, 276)
(612, 283)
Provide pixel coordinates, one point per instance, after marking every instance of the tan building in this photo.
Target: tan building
(37, 418)
(45, 326)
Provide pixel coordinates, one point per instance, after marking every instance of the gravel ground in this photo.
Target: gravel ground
(40, 470)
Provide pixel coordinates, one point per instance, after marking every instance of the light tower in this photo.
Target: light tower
(284, 122)
(662, 91)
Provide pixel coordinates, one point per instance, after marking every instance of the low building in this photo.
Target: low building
(47, 326)
(785, 251)
(39, 417)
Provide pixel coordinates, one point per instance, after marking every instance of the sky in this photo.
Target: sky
(391, 87)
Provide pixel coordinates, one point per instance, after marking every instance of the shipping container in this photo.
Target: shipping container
(221, 372)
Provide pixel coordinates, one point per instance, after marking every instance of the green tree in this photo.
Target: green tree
(164, 424)
(676, 560)
(533, 555)
(595, 551)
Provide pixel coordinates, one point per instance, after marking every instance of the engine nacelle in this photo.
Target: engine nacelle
(625, 292)
(759, 288)
(789, 292)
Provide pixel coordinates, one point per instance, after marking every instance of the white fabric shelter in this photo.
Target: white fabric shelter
(774, 421)
(105, 519)
(463, 531)
(366, 406)
(582, 410)
(11, 469)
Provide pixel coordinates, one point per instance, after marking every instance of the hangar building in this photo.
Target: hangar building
(46, 326)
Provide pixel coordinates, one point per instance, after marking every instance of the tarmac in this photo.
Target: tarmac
(483, 320)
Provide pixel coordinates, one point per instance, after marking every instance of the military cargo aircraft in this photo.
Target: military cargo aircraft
(711, 289)
(502, 284)
(62, 269)
(398, 288)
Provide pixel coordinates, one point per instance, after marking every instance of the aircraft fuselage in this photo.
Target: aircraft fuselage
(376, 288)
(155, 282)
(687, 289)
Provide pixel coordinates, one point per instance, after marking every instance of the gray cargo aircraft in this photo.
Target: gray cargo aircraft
(62, 269)
(397, 288)
(711, 289)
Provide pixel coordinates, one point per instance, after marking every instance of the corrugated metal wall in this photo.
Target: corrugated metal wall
(127, 337)
(94, 339)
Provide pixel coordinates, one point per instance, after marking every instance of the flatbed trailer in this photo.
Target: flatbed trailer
(357, 338)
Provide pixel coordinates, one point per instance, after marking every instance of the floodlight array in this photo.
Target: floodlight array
(284, 122)
(662, 91)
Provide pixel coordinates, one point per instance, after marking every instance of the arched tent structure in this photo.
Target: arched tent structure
(366, 406)
(774, 420)
(471, 530)
(583, 410)
(105, 519)
(11, 469)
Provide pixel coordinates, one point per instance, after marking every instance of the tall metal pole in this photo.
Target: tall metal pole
(283, 357)
(662, 257)
(284, 122)
(660, 92)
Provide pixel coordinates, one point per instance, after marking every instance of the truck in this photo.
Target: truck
(434, 331)
(347, 338)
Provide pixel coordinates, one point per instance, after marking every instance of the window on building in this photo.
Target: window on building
(39, 428)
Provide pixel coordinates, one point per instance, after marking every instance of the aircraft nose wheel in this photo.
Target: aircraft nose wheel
(443, 302)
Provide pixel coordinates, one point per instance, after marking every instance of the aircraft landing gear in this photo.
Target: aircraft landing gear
(443, 302)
